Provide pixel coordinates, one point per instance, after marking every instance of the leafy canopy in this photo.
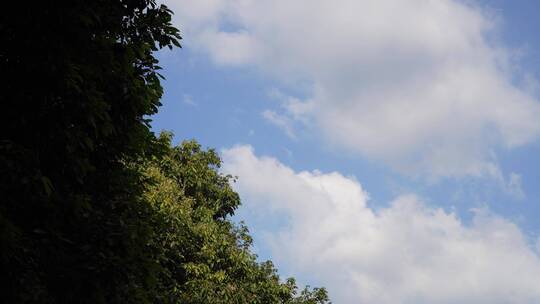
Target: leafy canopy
(206, 256)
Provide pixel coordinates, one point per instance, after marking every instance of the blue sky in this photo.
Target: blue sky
(384, 148)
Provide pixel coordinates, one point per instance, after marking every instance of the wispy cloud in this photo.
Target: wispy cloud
(513, 187)
(281, 121)
(188, 100)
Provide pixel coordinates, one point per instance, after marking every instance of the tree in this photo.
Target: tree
(81, 78)
(206, 257)
(94, 207)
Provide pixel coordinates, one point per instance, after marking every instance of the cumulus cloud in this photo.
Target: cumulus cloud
(407, 252)
(414, 84)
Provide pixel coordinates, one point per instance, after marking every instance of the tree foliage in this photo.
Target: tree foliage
(81, 80)
(206, 256)
(94, 208)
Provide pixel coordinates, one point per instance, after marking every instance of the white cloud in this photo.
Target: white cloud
(232, 48)
(414, 83)
(405, 253)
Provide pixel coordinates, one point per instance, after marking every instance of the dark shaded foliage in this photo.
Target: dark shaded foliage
(81, 78)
